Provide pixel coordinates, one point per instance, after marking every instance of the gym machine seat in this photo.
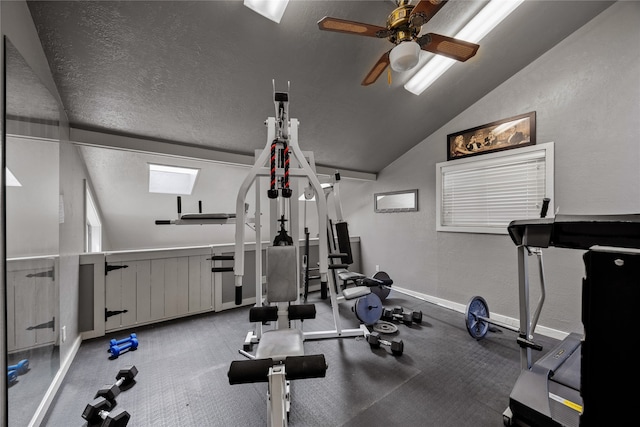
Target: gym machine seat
(280, 356)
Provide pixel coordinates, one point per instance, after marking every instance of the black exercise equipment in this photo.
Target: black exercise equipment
(584, 380)
(124, 381)
(398, 314)
(396, 345)
(98, 413)
(282, 238)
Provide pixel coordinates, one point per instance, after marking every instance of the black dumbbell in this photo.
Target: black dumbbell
(400, 315)
(124, 381)
(98, 413)
(396, 346)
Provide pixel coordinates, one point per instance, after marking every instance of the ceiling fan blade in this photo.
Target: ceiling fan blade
(352, 27)
(377, 69)
(459, 50)
(424, 10)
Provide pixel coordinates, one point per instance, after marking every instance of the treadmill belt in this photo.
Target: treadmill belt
(568, 374)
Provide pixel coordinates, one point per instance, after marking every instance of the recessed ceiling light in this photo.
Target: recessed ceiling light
(272, 9)
(171, 179)
(481, 24)
(11, 179)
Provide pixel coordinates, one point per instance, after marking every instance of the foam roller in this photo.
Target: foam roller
(249, 371)
(300, 367)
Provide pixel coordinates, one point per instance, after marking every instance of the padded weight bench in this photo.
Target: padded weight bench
(279, 356)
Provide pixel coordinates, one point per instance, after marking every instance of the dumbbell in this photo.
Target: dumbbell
(115, 342)
(116, 350)
(12, 377)
(396, 346)
(22, 367)
(124, 381)
(400, 315)
(98, 413)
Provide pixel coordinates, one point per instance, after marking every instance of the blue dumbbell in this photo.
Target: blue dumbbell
(116, 350)
(122, 341)
(12, 376)
(22, 367)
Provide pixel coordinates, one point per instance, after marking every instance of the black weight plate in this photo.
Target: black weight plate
(477, 308)
(382, 291)
(368, 309)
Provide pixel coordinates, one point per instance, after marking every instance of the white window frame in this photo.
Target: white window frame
(489, 160)
(93, 224)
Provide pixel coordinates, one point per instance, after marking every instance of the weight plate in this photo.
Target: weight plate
(385, 327)
(382, 291)
(476, 310)
(368, 309)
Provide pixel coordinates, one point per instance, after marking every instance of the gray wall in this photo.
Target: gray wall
(586, 92)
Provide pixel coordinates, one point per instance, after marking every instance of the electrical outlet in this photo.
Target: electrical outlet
(63, 330)
(377, 268)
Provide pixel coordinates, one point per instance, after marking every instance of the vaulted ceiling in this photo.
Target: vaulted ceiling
(199, 73)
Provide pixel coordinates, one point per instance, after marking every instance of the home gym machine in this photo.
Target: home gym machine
(285, 165)
(585, 380)
(279, 357)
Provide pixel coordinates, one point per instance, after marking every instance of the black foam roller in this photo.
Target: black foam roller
(263, 314)
(302, 311)
(344, 242)
(238, 295)
(300, 367)
(249, 371)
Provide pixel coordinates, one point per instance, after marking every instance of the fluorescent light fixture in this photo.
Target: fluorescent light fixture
(11, 179)
(171, 179)
(272, 9)
(485, 21)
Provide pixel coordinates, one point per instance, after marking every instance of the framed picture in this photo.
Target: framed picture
(518, 131)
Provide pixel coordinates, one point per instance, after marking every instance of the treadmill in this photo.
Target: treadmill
(585, 380)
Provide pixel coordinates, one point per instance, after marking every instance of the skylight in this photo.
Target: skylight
(272, 9)
(12, 181)
(171, 179)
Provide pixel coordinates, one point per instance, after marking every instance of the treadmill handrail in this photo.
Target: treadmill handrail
(577, 231)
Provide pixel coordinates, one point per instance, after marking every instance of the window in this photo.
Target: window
(171, 179)
(485, 195)
(93, 226)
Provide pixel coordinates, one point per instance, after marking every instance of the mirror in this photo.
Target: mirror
(396, 201)
(33, 220)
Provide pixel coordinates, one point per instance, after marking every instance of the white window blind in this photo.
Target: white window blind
(484, 194)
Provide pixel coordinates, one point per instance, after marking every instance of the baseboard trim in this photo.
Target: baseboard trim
(40, 413)
(542, 330)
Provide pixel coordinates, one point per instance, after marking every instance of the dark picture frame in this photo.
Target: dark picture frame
(513, 132)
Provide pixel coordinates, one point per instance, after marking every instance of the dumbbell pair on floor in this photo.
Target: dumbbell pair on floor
(20, 368)
(398, 314)
(99, 413)
(117, 347)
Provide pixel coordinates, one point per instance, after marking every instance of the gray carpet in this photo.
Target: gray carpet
(444, 377)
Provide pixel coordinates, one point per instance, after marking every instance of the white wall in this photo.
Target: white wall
(586, 92)
(32, 208)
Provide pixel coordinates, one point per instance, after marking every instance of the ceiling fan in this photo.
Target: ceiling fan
(403, 28)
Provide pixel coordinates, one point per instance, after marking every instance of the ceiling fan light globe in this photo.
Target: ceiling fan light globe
(404, 56)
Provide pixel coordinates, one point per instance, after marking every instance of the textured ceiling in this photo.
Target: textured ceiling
(200, 72)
